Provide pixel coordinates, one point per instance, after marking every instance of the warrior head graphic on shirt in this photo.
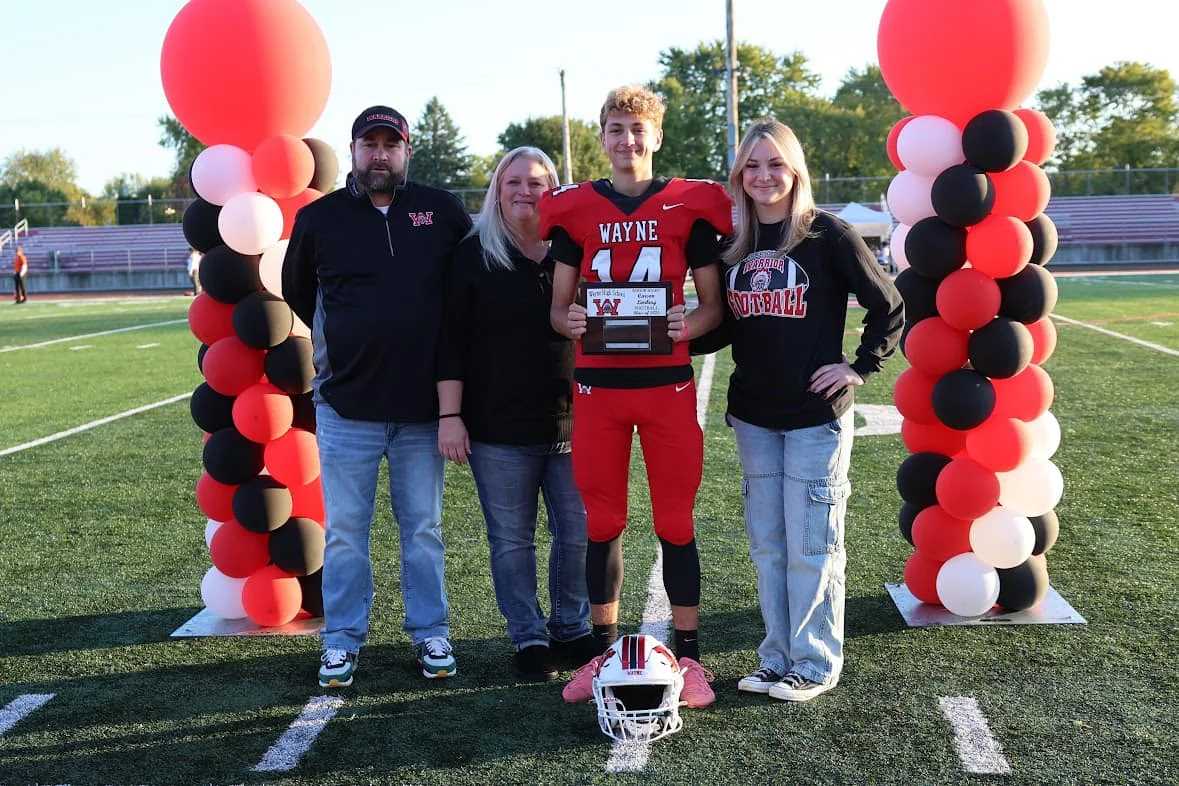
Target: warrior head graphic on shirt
(767, 283)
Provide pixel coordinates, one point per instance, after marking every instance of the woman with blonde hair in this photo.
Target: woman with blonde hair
(789, 270)
(505, 382)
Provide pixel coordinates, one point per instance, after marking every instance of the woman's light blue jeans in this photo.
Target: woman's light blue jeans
(796, 488)
(350, 453)
(510, 479)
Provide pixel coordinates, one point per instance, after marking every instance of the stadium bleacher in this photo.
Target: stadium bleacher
(103, 249)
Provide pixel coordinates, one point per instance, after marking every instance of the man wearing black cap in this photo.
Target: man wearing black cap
(365, 269)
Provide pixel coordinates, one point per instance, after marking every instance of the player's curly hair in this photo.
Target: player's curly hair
(634, 100)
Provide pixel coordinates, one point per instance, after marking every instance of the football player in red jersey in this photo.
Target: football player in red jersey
(637, 228)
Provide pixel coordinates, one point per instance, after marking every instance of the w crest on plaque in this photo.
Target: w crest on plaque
(626, 317)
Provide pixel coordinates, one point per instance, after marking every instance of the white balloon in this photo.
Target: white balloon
(967, 586)
(928, 144)
(1002, 538)
(1031, 489)
(250, 223)
(1045, 435)
(223, 595)
(221, 172)
(211, 528)
(270, 267)
(896, 245)
(909, 197)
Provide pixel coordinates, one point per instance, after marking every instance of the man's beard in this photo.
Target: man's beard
(378, 180)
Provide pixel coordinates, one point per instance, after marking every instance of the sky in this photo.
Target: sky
(85, 76)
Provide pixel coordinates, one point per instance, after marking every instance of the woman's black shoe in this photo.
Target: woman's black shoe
(536, 663)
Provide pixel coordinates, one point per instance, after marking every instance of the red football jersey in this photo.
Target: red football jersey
(636, 239)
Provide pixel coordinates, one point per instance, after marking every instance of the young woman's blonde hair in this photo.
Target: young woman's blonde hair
(494, 233)
(802, 199)
(633, 100)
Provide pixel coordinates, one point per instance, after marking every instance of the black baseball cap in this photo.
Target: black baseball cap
(380, 117)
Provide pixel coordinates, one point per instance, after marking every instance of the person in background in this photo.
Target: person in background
(505, 389)
(365, 269)
(20, 271)
(194, 270)
(789, 270)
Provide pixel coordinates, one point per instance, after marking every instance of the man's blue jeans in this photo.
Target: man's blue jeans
(350, 453)
(510, 478)
(796, 488)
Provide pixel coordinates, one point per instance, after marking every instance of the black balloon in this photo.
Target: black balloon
(934, 248)
(917, 478)
(963, 399)
(1047, 529)
(228, 276)
(297, 546)
(919, 293)
(1023, 586)
(230, 458)
(210, 410)
(327, 165)
(1044, 239)
(1029, 295)
(995, 140)
(262, 504)
(304, 412)
(1001, 348)
(962, 195)
(905, 519)
(199, 223)
(201, 350)
(312, 585)
(262, 320)
(289, 366)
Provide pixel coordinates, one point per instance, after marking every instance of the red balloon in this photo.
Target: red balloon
(999, 246)
(239, 71)
(966, 489)
(939, 536)
(237, 552)
(968, 299)
(1043, 339)
(290, 207)
(913, 396)
(1026, 396)
(891, 143)
(956, 59)
(215, 499)
(1022, 191)
(293, 458)
(271, 596)
(209, 319)
(1000, 444)
(262, 412)
(936, 348)
(921, 577)
(932, 438)
(230, 366)
(307, 501)
(1041, 135)
(282, 166)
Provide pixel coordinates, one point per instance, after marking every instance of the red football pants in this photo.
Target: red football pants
(604, 422)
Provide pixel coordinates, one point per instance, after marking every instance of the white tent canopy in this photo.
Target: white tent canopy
(866, 221)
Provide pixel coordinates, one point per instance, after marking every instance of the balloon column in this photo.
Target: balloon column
(979, 488)
(248, 78)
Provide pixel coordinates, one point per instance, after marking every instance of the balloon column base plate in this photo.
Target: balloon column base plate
(206, 623)
(1053, 610)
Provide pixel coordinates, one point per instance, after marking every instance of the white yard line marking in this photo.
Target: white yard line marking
(92, 335)
(879, 419)
(148, 346)
(1162, 324)
(1123, 336)
(92, 424)
(20, 707)
(284, 754)
(633, 756)
(979, 751)
(81, 346)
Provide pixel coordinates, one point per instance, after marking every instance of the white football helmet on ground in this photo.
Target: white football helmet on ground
(637, 690)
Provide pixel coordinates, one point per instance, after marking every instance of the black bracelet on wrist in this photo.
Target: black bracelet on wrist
(451, 415)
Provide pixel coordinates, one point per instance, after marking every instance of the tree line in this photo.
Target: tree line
(1126, 115)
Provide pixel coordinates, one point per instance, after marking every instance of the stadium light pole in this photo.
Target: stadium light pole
(731, 82)
(567, 166)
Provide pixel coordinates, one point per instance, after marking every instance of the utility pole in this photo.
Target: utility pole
(567, 167)
(731, 82)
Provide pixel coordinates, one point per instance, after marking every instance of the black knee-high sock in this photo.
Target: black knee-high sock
(603, 571)
(687, 644)
(605, 635)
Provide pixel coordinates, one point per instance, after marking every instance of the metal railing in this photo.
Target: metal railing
(12, 235)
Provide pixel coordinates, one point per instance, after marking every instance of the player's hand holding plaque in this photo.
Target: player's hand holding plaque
(626, 317)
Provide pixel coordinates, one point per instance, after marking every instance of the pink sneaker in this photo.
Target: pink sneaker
(580, 689)
(696, 693)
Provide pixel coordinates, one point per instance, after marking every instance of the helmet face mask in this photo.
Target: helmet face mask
(637, 690)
